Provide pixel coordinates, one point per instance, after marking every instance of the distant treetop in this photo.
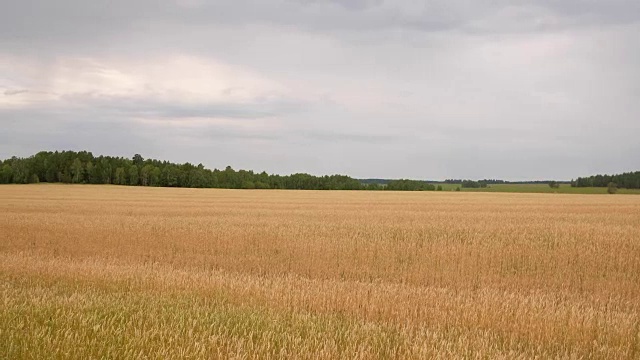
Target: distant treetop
(84, 168)
(629, 180)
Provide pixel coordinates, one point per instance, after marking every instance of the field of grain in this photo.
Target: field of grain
(131, 272)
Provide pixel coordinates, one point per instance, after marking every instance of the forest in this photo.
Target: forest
(84, 168)
(628, 180)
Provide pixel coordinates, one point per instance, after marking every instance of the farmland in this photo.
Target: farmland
(123, 272)
(538, 188)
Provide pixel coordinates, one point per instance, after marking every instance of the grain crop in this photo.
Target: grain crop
(131, 272)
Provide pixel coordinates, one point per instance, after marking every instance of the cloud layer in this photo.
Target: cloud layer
(370, 88)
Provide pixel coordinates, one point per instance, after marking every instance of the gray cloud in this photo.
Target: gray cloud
(15, 92)
(158, 110)
(372, 88)
(96, 21)
(331, 136)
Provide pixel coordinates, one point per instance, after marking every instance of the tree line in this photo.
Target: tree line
(472, 183)
(630, 180)
(83, 167)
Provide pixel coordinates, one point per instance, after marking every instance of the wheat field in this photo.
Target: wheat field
(128, 272)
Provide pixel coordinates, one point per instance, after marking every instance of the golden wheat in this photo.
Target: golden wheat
(127, 272)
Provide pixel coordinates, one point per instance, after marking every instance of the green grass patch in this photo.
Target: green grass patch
(538, 188)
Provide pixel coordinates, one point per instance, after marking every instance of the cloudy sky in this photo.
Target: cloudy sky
(369, 88)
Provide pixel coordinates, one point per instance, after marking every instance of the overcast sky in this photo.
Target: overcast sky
(369, 88)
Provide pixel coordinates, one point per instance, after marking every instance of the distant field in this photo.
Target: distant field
(132, 272)
(540, 188)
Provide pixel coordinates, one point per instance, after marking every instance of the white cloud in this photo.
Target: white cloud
(174, 79)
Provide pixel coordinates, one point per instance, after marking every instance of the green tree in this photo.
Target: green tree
(20, 171)
(103, 171)
(134, 177)
(38, 164)
(120, 177)
(138, 160)
(229, 179)
(154, 176)
(83, 167)
(6, 174)
(409, 185)
(52, 167)
(261, 185)
(196, 178)
(612, 188)
(471, 184)
(170, 175)
(145, 174)
(90, 175)
(373, 186)
(248, 185)
(77, 171)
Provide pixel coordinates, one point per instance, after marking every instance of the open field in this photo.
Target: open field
(539, 188)
(132, 272)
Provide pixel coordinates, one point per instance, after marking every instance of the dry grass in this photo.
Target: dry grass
(123, 272)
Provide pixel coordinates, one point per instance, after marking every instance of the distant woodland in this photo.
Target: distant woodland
(84, 168)
(630, 180)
